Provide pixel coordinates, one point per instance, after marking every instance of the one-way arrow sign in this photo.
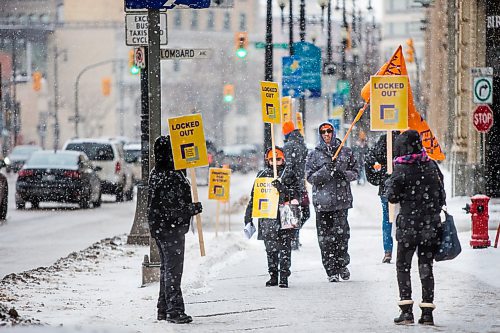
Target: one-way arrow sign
(180, 54)
(167, 4)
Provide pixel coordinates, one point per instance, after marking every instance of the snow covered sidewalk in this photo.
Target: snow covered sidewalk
(224, 291)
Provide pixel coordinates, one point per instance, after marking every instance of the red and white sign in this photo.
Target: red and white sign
(482, 118)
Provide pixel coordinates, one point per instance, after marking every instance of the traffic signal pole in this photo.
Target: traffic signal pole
(268, 76)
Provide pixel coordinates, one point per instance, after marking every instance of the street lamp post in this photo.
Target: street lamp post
(76, 117)
(302, 100)
(268, 71)
(57, 54)
(282, 4)
(290, 28)
(322, 4)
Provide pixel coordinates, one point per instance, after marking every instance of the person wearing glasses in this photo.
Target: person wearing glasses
(276, 239)
(332, 198)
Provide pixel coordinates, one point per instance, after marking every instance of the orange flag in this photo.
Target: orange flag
(397, 66)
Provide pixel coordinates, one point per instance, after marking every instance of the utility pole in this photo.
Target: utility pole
(268, 72)
(290, 27)
(302, 100)
(56, 100)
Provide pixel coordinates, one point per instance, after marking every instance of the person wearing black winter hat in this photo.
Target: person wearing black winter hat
(417, 184)
(276, 240)
(332, 199)
(170, 208)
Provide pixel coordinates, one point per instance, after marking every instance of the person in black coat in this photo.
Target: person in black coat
(276, 240)
(417, 184)
(295, 155)
(376, 174)
(170, 208)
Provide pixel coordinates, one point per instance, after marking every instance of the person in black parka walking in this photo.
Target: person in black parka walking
(170, 208)
(417, 184)
(295, 155)
(276, 240)
(332, 198)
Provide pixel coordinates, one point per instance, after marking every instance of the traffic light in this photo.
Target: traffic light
(106, 86)
(241, 41)
(410, 53)
(228, 93)
(133, 69)
(37, 81)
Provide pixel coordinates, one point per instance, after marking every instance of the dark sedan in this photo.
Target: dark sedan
(19, 155)
(62, 176)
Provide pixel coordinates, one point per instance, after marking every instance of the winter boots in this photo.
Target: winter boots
(426, 318)
(345, 274)
(406, 316)
(283, 282)
(334, 278)
(181, 318)
(162, 315)
(273, 281)
(387, 258)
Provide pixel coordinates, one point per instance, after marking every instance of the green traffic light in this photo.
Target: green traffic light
(134, 70)
(241, 53)
(228, 98)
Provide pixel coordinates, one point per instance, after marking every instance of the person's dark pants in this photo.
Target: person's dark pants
(172, 263)
(333, 238)
(305, 214)
(425, 255)
(279, 253)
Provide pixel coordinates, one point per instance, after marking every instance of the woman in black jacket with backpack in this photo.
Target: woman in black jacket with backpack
(417, 184)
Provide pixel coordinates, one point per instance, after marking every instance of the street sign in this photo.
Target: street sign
(310, 56)
(139, 57)
(337, 99)
(482, 71)
(167, 4)
(270, 94)
(262, 45)
(483, 90)
(183, 54)
(482, 118)
(389, 103)
(292, 77)
(136, 25)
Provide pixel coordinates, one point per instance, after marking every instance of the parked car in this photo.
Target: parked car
(62, 176)
(242, 157)
(19, 155)
(115, 175)
(133, 159)
(4, 193)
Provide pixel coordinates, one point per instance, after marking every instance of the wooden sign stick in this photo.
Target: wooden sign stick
(194, 187)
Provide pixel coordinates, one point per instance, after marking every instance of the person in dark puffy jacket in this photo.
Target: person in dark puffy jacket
(417, 184)
(170, 208)
(276, 240)
(295, 154)
(332, 197)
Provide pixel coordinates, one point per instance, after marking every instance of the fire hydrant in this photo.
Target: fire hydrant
(479, 211)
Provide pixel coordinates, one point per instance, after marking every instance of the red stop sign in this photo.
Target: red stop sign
(483, 118)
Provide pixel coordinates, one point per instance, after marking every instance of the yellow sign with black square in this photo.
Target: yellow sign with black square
(188, 141)
(271, 111)
(265, 199)
(389, 103)
(219, 180)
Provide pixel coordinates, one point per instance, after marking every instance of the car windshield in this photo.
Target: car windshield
(46, 159)
(132, 155)
(94, 151)
(24, 150)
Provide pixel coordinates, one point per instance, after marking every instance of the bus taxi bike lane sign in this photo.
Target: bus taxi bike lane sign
(265, 199)
(219, 180)
(271, 111)
(188, 141)
(389, 103)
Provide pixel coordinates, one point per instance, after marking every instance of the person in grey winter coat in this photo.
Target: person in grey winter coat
(295, 154)
(417, 184)
(332, 197)
(170, 208)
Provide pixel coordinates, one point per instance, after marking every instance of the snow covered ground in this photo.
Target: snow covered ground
(98, 289)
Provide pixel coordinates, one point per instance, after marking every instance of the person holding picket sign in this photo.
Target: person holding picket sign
(170, 208)
(417, 184)
(332, 197)
(276, 232)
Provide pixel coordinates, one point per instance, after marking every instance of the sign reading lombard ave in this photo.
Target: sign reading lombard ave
(137, 29)
(173, 54)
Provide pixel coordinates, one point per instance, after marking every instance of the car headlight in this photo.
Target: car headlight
(7, 160)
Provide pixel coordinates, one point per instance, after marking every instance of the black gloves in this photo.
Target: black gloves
(336, 173)
(278, 185)
(195, 208)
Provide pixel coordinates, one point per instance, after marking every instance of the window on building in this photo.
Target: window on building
(399, 5)
(211, 20)
(178, 18)
(227, 21)
(194, 20)
(243, 22)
